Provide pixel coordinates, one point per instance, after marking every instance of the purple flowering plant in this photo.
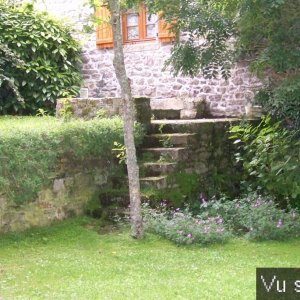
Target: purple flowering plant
(255, 217)
(182, 227)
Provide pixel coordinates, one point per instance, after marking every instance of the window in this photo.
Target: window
(137, 26)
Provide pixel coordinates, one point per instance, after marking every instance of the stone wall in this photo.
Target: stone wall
(144, 62)
(88, 108)
(144, 66)
(68, 195)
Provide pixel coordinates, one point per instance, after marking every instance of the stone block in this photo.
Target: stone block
(188, 114)
(170, 103)
(58, 185)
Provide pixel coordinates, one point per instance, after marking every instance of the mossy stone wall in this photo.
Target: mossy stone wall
(68, 195)
(90, 108)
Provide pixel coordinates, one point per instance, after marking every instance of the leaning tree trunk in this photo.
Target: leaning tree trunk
(128, 116)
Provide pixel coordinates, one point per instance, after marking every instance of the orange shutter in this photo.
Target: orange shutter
(104, 31)
(164, 33)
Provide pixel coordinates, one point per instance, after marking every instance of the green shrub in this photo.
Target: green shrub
(9, 58)
(31, 149)
(254, 216)
(181, 227)
(270, 158)
(51, 60)
(187, 188)
(283, 101)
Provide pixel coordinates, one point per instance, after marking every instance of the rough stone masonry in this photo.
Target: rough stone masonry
(144, 62)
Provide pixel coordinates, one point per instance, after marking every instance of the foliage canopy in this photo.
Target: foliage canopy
(50, 58)
(265, 31)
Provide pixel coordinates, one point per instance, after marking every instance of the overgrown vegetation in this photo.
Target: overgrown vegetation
(270, 158)
(217, 220)
(283, 101)
(50, 57)
(269, 31)
(31, 149)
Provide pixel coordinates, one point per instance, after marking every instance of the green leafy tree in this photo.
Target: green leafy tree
(50, 58)
(204, 47)
(219, 33)
(7, 57)
(264, 30)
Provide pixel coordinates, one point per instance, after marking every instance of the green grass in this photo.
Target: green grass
(71, 261)
(25, 123)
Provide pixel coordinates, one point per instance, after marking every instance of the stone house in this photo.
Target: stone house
(147, 44)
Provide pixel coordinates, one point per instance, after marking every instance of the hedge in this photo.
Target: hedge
(31, 149)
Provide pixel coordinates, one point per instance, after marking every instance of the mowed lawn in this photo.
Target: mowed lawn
(71, 260)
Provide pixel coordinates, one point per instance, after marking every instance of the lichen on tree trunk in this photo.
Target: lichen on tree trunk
(128, 117)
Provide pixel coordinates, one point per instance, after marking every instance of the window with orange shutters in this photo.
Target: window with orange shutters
(137, 25)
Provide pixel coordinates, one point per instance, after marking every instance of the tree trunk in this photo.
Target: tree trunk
(128, 117)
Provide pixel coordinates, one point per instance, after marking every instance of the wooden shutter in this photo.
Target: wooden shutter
(164, 33)
(104, 31)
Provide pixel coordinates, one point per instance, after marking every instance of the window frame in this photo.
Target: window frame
(142, 26)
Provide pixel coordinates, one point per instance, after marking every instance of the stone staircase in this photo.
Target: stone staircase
(163, 149)
(173, 143)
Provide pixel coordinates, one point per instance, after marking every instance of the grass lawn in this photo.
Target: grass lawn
(8, 123)
(70, 260)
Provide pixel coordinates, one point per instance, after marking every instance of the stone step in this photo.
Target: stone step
(156, 182)
(168, 114)
(159, 168)
(168, 140)
(189, 126)
(166, 154)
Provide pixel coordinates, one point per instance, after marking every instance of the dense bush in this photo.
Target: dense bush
(254, 216)
(31, 149)
(283, 101)
(270, 31)
(51, 60)
(270, 158)
(9, 58)
(181, 227)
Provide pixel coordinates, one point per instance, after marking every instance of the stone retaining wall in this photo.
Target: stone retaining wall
(68, 195)
(88, 108)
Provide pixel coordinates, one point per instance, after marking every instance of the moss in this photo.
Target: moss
(202, 110)
(86, 111)
(143, 111)
(94, 207)
(183, 189)
(66, 111)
